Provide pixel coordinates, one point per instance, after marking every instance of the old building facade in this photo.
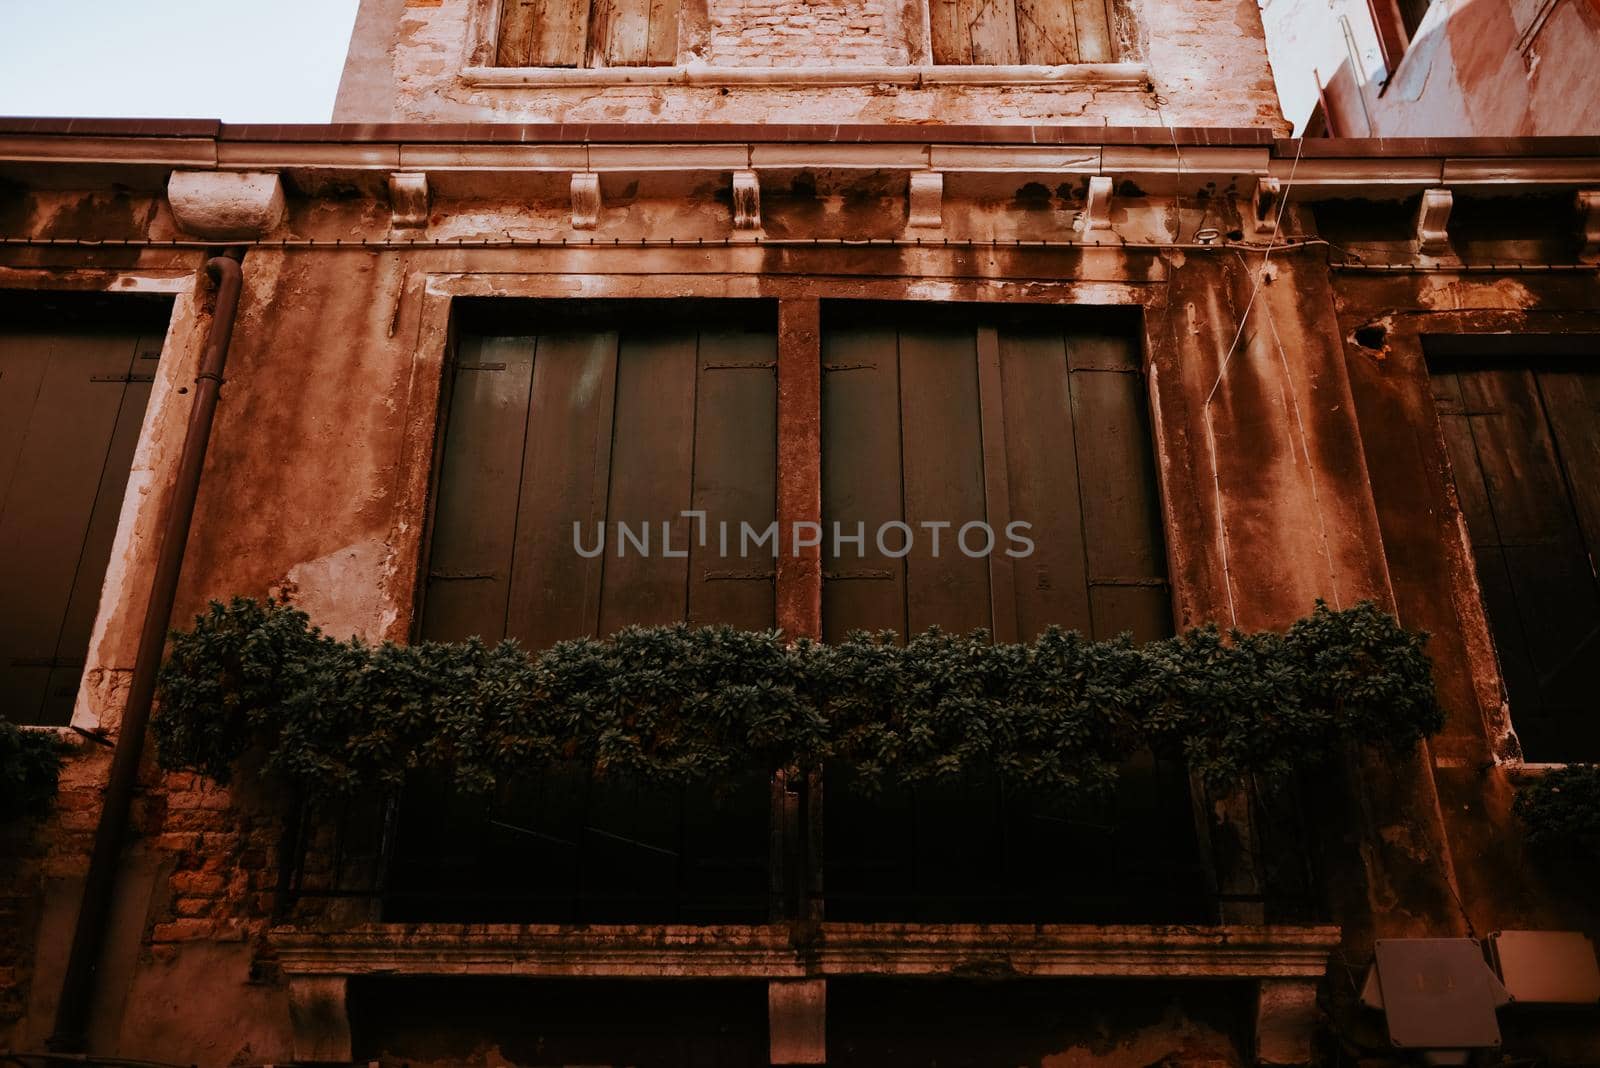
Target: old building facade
(798, 263)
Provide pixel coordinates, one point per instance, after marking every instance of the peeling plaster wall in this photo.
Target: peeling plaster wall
(1294, 464)
(1207, 62)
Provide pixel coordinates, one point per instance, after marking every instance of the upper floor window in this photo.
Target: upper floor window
(1000, 32)
(588, 33)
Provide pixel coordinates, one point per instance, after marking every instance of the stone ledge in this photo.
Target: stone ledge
(773, 952)
(1130, 75)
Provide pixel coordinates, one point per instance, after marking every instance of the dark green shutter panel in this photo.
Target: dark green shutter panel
(949, 417)
(71, 408)
(632, 415)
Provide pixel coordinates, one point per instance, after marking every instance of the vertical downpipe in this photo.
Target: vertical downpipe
(88, 939)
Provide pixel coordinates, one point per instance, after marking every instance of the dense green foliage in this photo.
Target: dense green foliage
(1561, 810)
(674, 704)
(30, 763)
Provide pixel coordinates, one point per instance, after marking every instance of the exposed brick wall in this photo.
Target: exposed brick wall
(785, 33)
(226, 863)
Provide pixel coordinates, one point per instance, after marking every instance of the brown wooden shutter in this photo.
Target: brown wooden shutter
(958, 416)
(543, 33)
(635, 33)
(631, 414)
(1047, 32)
(71, 407)
(1522, 448)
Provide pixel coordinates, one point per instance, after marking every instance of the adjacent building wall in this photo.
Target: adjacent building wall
(1489, 68)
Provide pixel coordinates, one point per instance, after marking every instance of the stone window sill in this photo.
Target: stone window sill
(1092, 74)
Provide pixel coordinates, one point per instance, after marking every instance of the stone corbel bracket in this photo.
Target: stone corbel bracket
(1433, 221)
(746, 201)
(1265, 206)
(408, 200)
(585, 200)
(226, 205)
(925, 199)
(1589, 223)
(1096, 205)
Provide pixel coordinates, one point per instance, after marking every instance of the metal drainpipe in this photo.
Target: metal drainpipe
(72, 1011)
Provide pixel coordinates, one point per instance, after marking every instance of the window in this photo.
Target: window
(1021, 31)
(1526, 462)
(619, 415)
(72, 399)
(588, 33)
(996, 416)
(958, 419)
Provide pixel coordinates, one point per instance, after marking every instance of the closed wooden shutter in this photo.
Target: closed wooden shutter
(71, 405)
(957, 417)
(543, 33)
(1048, 32)
(633, 415)
(592, 33)
(1525, 456)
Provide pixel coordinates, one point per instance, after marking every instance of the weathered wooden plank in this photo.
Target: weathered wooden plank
(942, 456)
(652, 451)
(661, 49)
(991, 27)
(950, 43)
(1494, 580)
(1121, 513)
(475, 506)
(517, 21)
(554, 589)
(996, 486)
(622, 32)
(799, 575)
(865, 589)
(1093, 22)
(543, 33)
(1572, 404)
(1052, 584)
(84, 602)
(1046, 32)
(735, 476)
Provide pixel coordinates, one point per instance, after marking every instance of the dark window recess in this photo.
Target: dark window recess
(1412, 12)
(968, 1022)
(1050, 32)
(1526, 460)
(973, 852)
(588, 33)
(543, 1023)
(596, 414)
(957, 415)
(75, 377)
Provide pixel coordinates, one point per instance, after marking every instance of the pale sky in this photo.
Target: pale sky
(234, 60)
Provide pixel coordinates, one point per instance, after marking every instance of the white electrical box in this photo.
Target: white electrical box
(1546, 967)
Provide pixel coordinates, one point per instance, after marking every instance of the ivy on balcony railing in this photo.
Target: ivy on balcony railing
(676, 704)
(30, 763)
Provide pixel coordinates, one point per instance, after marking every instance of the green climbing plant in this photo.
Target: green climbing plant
(678, 704)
